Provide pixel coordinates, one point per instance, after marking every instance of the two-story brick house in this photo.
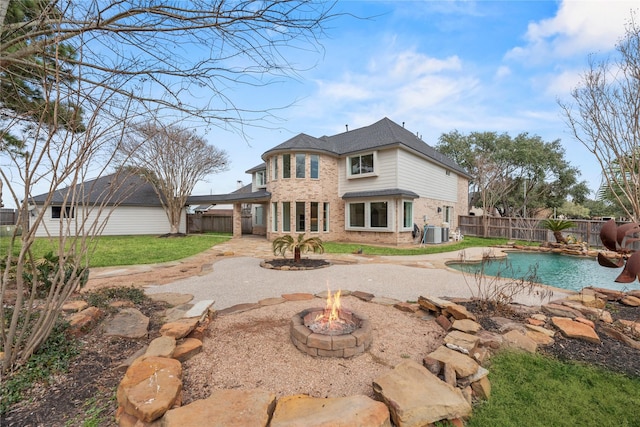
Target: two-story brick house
(367, 185)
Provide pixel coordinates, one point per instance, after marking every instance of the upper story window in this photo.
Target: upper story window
(300, 164)
(274, 167)
(286, 165)
(261, 179)
(361, 165)
(315, 166)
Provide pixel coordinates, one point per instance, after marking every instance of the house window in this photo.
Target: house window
(274, 166)
(57, 212)
(286, 165)
(369, 215)
(261, 178)
(378, 218)
(300, 218)
(325, 217)
(274, 216)
(286, 216)
(314, 216)
(315, 162)
(356, 214)
(259, 215)
(407, 214)
(300, 160)
(361, 165)
(448, 214)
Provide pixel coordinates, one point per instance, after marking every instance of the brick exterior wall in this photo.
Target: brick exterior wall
(324, 190)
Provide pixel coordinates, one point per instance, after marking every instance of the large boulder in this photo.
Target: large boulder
(416, 397)
(225, 408)
(353, 411)
(150, 387)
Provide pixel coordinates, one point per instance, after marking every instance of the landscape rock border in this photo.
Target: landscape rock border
(457, 363)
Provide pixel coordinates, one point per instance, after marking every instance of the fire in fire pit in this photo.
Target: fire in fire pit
(334, 320)
(331, 331)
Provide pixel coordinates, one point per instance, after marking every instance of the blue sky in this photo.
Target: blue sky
(437, 66)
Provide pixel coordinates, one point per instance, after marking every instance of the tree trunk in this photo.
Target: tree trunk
(296, 255)
(559, 237)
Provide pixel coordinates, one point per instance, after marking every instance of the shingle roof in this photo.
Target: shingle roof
(121, 189)
(390, 192)
(255, 197)
(382, 134)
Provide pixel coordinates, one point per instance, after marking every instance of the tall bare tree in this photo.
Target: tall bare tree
(603, 116)
(73, 76)
(166, 55)
(173, 160)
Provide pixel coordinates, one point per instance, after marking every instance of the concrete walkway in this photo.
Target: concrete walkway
(238, 278)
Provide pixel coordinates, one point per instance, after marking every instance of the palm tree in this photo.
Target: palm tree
(287, 243)
(556, 226)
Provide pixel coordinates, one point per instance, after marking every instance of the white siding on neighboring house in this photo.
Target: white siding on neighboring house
(123, 220)
(427, 179)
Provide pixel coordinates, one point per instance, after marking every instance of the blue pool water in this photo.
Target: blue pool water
(561, 271)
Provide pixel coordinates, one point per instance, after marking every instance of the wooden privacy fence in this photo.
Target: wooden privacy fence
(209, 224)
(528, 229)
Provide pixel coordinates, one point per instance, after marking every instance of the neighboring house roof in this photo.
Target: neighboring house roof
(255, 197)
(262, 166)
(120, 189)
(382, 134)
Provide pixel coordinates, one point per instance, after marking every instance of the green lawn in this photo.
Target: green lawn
(133, 250)
(536, 391)
(467, 242)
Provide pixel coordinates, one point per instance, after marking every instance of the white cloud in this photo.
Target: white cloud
(502, 71)
(579, 27)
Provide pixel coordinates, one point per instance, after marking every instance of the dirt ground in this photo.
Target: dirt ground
(90, 384)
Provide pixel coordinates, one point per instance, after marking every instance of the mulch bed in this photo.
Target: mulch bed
(303, 264)
(611, 354)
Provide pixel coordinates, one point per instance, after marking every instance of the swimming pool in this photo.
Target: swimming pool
(561, 271)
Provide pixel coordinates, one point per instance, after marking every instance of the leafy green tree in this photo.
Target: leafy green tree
(573, 210)
(530, 174)
(298, 246)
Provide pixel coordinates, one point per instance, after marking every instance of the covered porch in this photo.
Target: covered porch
(237, 199)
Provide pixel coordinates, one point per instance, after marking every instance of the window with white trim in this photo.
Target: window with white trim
(286, 216)
(325, 217)
(261, 179)
(274, 216)
(300, 165)
(361, 165)
(259, 215)
(313, 226)
(300, 217)
(314, 166)
(286, 165)
(58, 212)
(407, 214)
(374, 216)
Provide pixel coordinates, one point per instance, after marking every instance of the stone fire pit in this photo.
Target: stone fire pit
(349, 342)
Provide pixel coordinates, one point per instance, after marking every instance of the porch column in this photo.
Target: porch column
(237, 220)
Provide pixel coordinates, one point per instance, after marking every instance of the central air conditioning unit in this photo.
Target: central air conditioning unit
(433, 235)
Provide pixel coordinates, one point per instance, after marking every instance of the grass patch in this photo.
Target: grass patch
(467, 242)
(134, 250)
(536, 391)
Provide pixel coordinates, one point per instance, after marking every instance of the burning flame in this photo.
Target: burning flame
(332, 309)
